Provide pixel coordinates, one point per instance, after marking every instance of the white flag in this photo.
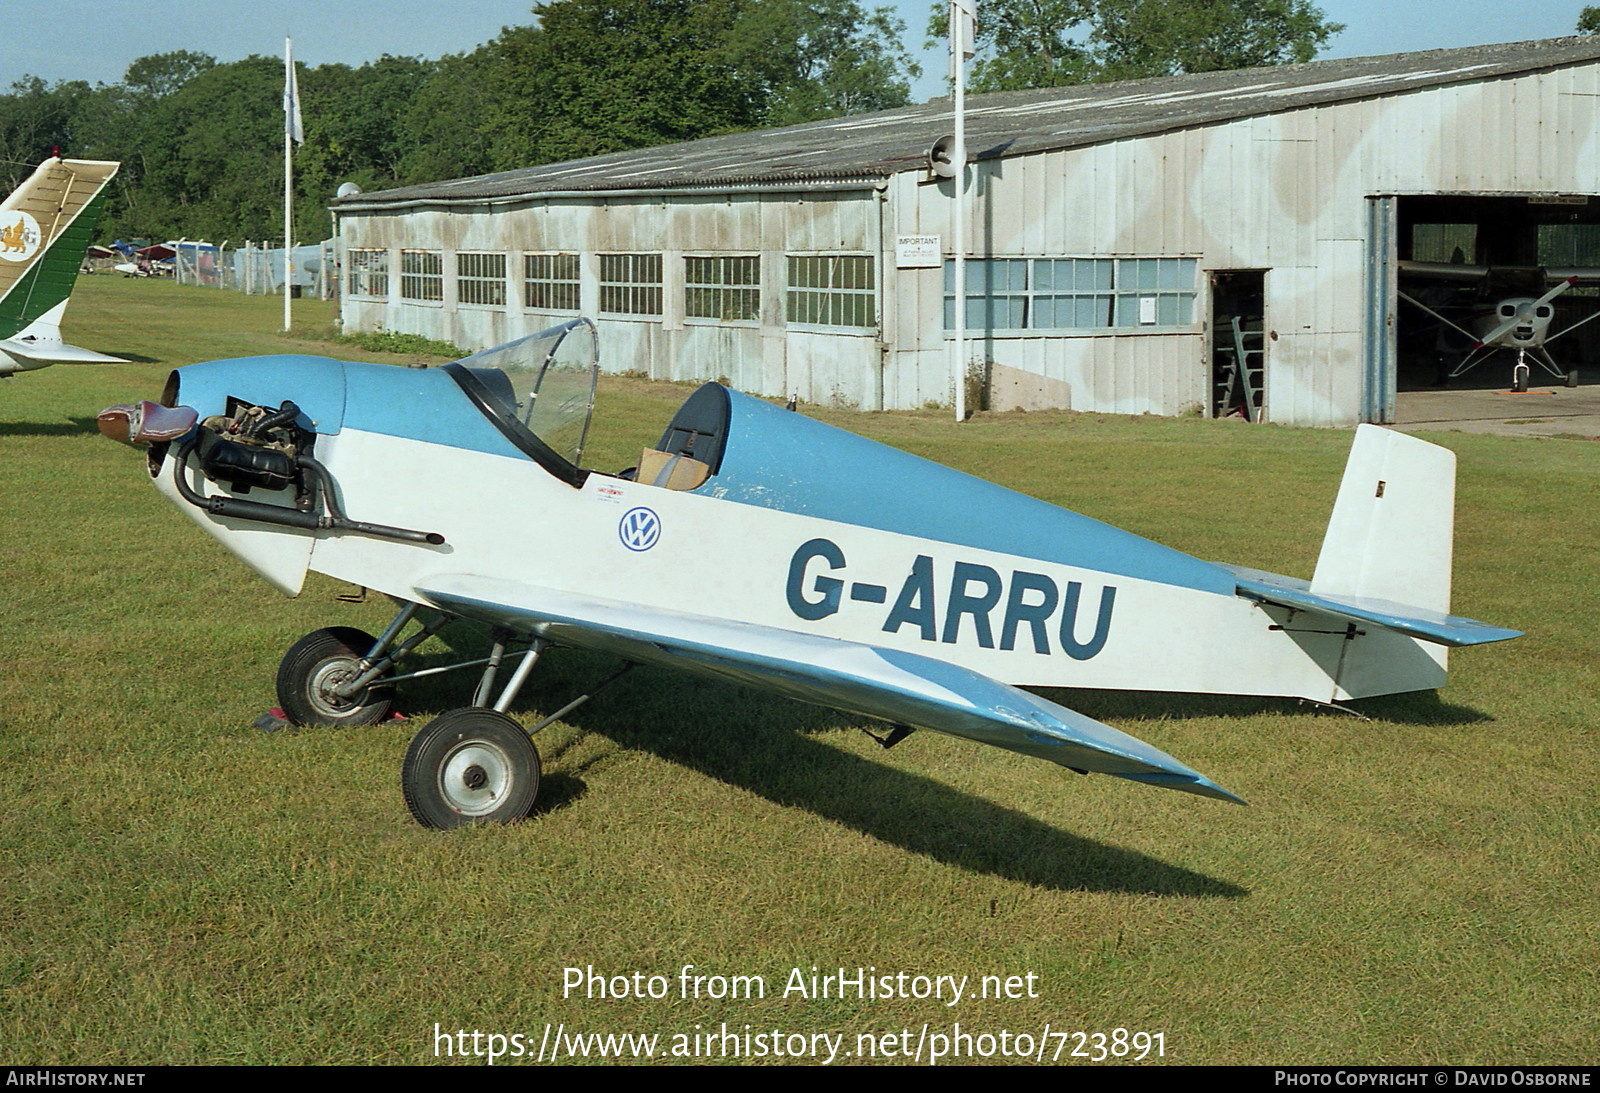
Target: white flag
(963, 28)
(292, 129)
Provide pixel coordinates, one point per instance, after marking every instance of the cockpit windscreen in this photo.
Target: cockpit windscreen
(543, 385)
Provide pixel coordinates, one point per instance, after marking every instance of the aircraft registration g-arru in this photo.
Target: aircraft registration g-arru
(45, 226)
(757, 545)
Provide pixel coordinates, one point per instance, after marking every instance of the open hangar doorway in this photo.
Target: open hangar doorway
(1463, 259)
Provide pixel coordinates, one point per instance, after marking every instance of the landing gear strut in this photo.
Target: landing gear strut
(1519, 374)
(471, 765)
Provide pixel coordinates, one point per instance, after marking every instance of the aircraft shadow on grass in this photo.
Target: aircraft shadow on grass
(73, 426)
(131, 357)
(1412, 708)
(766, 745)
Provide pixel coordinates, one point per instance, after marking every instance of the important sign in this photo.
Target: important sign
(918, 252)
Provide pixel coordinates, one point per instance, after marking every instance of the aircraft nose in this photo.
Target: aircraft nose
(1523, 331)
(145, 422)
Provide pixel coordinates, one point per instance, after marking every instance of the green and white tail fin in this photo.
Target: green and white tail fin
(45, 227)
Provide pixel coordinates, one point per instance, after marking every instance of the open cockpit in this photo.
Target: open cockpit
(539, 392)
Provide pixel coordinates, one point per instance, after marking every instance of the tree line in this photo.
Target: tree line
(201, 141)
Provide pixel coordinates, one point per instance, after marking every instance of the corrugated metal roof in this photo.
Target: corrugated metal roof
(868, 147)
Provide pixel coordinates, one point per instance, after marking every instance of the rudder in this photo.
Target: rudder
(1392, 532)
(45, 225)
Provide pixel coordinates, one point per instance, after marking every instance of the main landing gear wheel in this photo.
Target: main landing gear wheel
(470, 766)
(320, 662)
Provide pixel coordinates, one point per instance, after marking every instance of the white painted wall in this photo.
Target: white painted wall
(1282, 192)
(1285, 192)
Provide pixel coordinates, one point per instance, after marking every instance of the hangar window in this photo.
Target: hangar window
(421, 275)
(481, 278)
(630, 284)
(832, 290)
(1154, 292)
(367, 272)
(1074, 293)
(726, 287)
(997, 294)
(1569, 244)
(550, 281)
(1456, 243)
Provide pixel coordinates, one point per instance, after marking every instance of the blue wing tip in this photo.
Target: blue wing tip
(1186, 783)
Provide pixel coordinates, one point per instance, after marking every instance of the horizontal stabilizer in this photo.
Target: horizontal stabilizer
(39, 345)
(31, 354)
(899, 687)
(1416, 622)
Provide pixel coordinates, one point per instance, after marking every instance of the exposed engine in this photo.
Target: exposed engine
(252, 446)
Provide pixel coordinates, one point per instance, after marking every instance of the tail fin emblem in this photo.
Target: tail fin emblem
(19, 237)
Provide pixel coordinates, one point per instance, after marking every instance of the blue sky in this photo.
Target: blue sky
(95, 40)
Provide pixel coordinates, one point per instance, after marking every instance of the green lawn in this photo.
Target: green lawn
(177, 886)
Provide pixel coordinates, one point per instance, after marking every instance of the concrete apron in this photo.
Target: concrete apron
(1542, 411)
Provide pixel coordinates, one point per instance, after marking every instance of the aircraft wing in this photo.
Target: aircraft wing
(1584, 274)
(900, 687)
(1448, 271)
(1452, 271)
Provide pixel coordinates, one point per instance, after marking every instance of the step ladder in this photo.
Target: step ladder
(1242, 383)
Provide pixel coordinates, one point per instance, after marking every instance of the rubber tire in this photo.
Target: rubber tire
(318, 654)
(1519, 380)
(1572, 377)
(462, 744)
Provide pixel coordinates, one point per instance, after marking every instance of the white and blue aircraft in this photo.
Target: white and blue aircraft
(756, 545)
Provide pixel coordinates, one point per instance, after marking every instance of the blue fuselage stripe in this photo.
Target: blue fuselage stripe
(782, 460)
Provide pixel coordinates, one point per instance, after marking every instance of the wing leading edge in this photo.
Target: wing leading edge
(897, 686)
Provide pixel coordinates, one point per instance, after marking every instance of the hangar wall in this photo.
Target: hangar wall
(1286, 193)
(758, 350)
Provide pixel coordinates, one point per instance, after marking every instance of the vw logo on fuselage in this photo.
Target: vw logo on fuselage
(639, 529)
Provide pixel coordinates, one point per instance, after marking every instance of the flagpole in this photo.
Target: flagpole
(291, 107)
(961, 37)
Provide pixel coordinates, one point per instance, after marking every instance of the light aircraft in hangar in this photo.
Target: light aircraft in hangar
(45, 226)
(1511, 315)
(756, 545)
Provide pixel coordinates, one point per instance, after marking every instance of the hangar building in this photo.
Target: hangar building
(1217, 243)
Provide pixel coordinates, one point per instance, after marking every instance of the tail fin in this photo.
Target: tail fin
(1386, 559)
(1393, 524)
(45, 226)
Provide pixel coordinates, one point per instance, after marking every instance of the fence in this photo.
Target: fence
(257, 269)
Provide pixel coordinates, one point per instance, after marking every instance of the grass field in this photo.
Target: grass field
(177, 887)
